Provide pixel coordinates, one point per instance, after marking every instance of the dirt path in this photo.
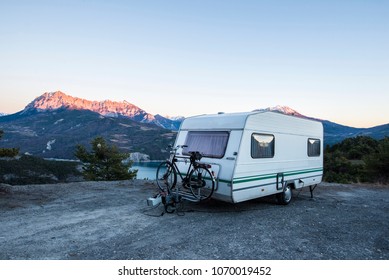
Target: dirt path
(110, 220)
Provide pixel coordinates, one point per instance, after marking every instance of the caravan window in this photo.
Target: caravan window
(262, 145)
(313, 147)
(211, 144)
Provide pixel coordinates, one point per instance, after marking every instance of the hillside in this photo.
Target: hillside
(54, 134)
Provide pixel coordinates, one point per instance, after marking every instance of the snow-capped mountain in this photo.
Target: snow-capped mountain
(284, 110)
(175, 118)
(51, 101)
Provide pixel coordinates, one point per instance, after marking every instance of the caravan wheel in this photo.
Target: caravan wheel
(286, 196)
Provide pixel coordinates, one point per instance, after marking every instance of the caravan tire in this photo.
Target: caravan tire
(285, 197)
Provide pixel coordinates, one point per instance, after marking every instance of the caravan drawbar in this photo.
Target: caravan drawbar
(255, 154)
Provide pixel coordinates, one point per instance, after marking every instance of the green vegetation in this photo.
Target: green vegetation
(10, 152)
(104, 163)
(33, 170)
(359, 159)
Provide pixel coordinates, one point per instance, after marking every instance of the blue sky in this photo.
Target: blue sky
(326, 59)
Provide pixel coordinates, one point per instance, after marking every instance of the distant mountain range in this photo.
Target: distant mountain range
(51, 101)
(54, 123)
(333, 132)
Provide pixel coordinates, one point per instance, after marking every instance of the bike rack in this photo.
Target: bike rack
(180, 192)
(185, 195)
(185, 160)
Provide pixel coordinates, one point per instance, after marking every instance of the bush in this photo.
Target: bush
(11, 152)
(34, 170)
(337, 168)
(359, 159)
(377, 164)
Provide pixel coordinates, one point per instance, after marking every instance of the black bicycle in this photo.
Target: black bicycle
(198, 179)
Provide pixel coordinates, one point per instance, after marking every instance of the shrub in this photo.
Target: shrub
(359, 159)
(377, 164)
(34, 170)
(10, 152)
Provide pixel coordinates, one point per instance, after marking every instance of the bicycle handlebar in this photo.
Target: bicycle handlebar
(194, 155)
(182, 146)
(178, 147)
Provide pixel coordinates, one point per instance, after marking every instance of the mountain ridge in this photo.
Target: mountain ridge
(334, 132)
(54, 123)
(55, 100)
(51, 101)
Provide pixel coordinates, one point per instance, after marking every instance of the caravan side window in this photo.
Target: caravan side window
(211, 144)
(313, 147)
(262, 145)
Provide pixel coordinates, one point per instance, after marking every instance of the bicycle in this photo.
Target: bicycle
(198, 179)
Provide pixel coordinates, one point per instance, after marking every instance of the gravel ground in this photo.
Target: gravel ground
(110, 220)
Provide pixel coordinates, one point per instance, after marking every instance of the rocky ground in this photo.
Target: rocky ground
(110, 220)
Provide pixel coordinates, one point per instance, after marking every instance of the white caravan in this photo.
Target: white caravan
(255, 154)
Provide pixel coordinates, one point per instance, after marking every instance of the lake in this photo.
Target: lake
(146, 170)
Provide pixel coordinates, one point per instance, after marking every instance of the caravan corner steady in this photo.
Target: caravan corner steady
(255, 154)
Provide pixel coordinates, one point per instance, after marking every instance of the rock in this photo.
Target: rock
(137, 157)
(5, 188)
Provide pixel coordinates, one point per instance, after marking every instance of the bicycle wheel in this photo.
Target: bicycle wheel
(166, 176)
(201, 183)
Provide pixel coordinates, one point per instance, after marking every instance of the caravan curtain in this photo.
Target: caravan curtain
(211, 144)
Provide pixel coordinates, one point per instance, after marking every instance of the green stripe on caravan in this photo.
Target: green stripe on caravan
(273, 175)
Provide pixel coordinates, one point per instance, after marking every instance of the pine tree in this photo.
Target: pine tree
(105, 162)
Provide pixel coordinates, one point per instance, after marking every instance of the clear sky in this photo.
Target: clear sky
(325, 59)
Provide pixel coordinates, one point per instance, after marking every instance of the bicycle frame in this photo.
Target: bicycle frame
(173, 160)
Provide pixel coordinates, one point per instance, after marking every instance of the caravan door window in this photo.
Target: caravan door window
(262, 145)
(211, 144)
